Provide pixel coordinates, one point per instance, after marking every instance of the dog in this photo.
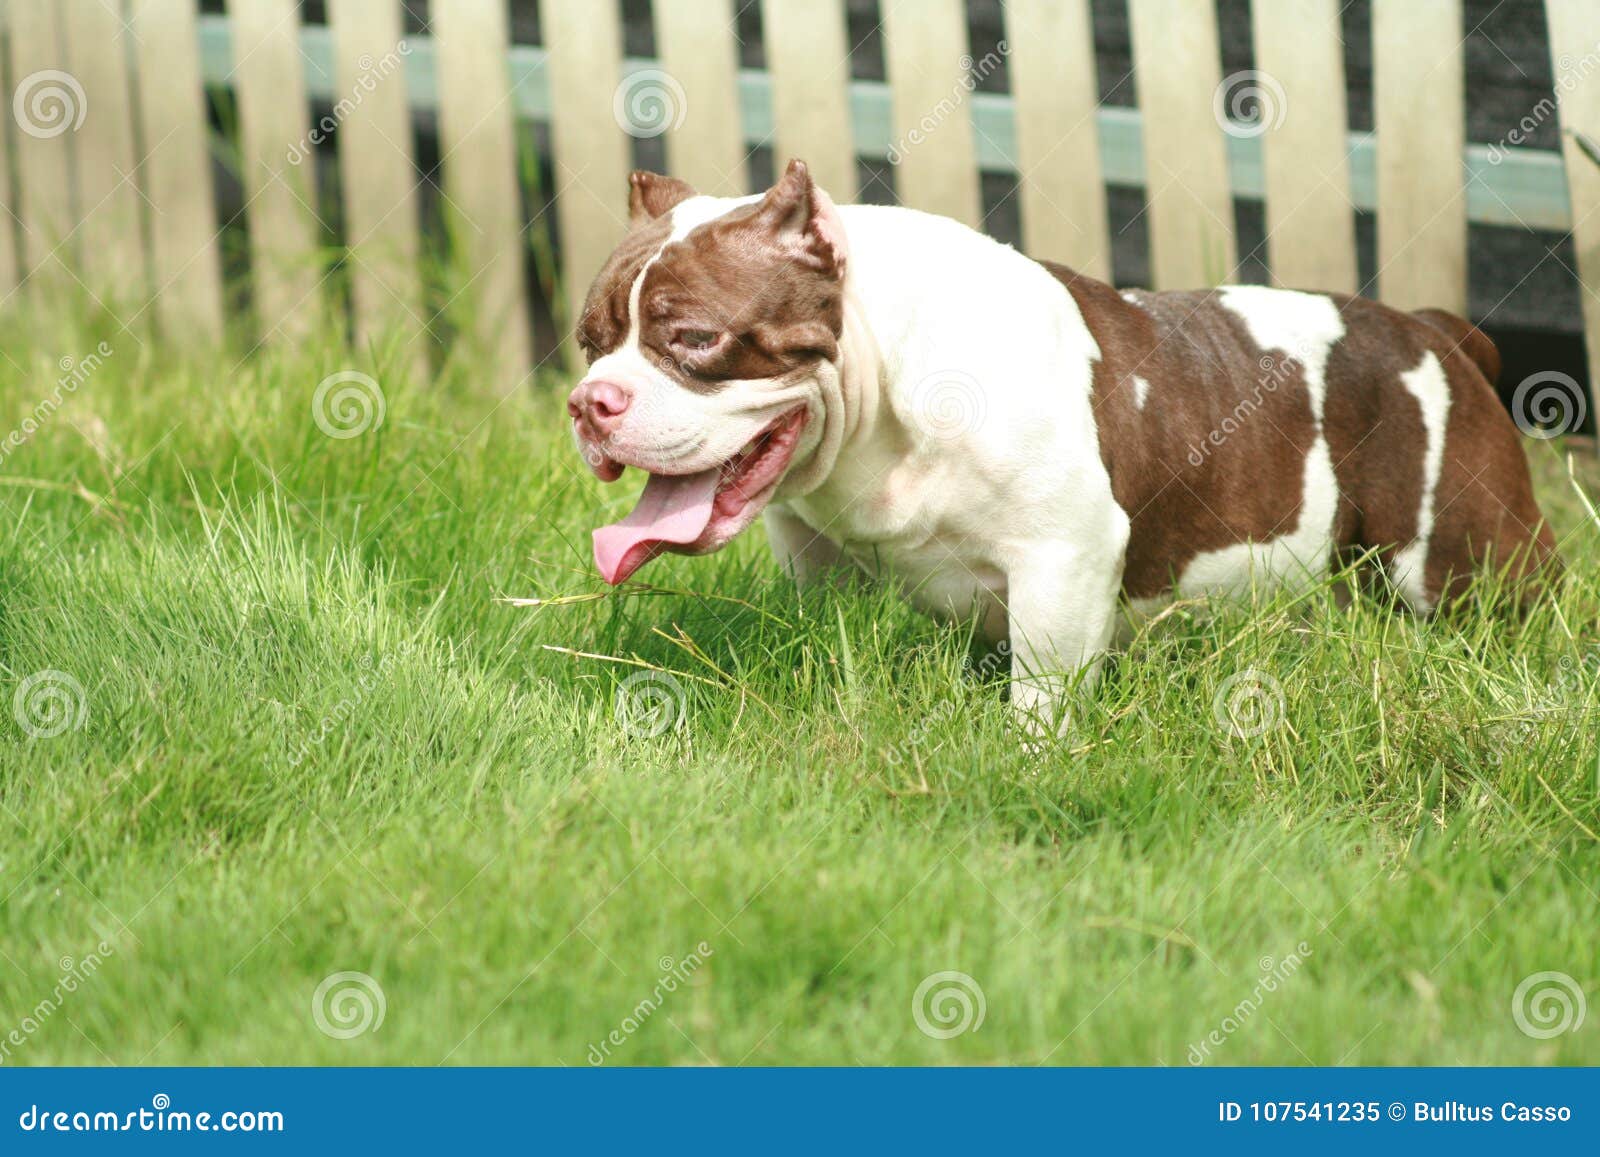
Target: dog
(901, 395)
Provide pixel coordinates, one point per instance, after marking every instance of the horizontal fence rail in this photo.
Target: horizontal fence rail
(1524, 187)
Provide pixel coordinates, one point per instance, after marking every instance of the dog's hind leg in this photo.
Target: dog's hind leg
(1485, 519)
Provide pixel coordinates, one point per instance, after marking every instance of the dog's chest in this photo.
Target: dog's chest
(916, 522)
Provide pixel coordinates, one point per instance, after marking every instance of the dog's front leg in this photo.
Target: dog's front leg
(1061, 607)
(800, 551)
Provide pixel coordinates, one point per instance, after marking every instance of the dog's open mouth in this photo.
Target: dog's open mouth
(695, 513)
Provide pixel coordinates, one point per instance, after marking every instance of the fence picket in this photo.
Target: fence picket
(274, 128)
(1311, 230)
(108, 196)
(1178, 66)
(479, 155)
(9, 213)
(591, 148)
(699, 53)
(1420, 118)
(378, 176)
(51, 103)
(1574, 35)
(808, 58)
(1063, 196)
(185, 269)
(925, 48)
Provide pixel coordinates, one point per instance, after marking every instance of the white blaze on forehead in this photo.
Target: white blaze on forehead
(694, 212)
(1428, 384)
(1305, 327)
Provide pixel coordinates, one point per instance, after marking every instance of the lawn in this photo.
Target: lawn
(266, 718)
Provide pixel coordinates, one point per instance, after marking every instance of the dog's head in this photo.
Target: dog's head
(712, 336)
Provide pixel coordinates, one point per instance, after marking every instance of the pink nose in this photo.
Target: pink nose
(598, 405)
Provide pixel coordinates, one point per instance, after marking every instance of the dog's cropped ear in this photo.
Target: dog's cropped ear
(804, 221)
(650, 195)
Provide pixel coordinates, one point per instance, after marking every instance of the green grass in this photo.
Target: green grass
(841, 812)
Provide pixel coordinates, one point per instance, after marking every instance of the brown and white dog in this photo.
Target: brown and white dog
(903, 395)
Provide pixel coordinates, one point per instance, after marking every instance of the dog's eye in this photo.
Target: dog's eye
(697, 339)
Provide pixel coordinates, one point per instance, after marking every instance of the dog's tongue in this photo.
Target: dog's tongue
(672, 510)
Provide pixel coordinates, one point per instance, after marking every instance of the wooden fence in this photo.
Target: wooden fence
(113, 185)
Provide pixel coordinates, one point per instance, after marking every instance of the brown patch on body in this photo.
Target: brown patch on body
(1216, 456)
(1221, 416)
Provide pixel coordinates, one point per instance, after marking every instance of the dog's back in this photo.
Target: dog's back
(1254, 433)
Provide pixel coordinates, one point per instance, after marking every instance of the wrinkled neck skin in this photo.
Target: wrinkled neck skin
(851, 402)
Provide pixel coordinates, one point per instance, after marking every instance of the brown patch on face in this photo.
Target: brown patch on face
(604, 324)
(762, 283)
(755, 293)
